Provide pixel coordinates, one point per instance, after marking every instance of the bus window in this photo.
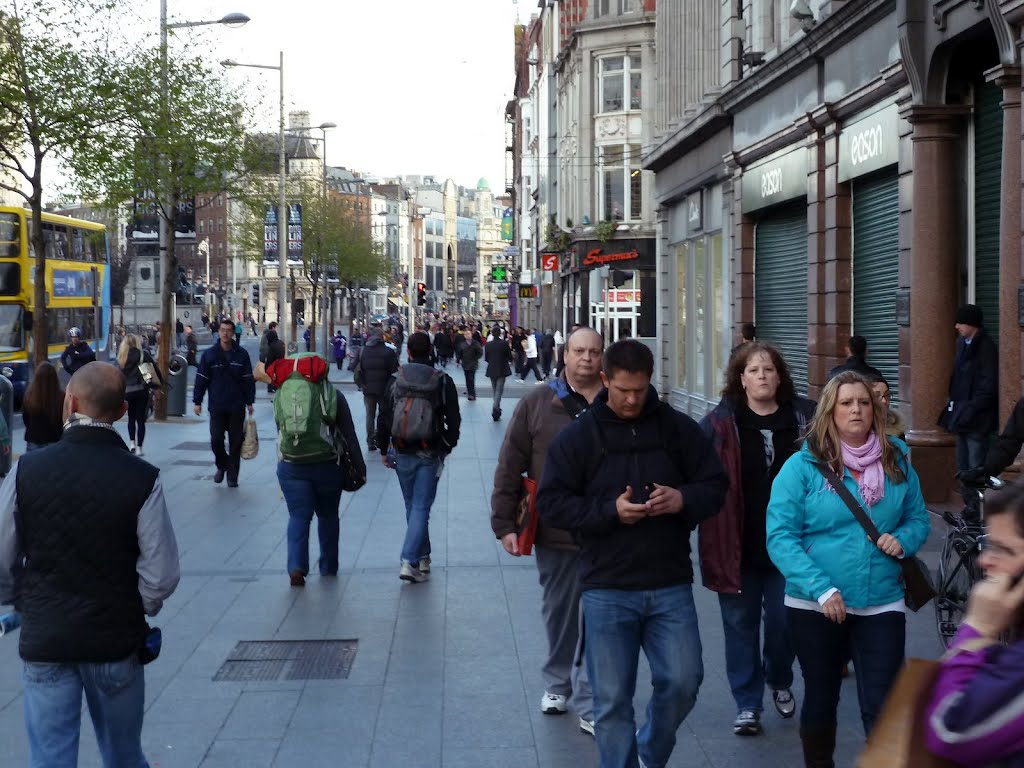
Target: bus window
(78, 245)
(55, 239)
(10, 278)
(10, 236)
(12, 337)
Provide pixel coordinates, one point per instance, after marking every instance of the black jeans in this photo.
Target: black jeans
(876, 645)
(232, 422)
(138, 406)
(470, 383)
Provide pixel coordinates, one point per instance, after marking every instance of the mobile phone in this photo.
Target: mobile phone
(644, 495)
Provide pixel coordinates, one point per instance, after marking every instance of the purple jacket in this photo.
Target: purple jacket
(976, 714)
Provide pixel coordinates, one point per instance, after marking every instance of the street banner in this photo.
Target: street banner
(294, 234)
(270, 235)
(506, 224)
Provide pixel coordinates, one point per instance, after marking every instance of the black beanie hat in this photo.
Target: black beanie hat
(969, 314)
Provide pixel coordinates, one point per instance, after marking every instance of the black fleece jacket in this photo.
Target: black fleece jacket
(590, 463)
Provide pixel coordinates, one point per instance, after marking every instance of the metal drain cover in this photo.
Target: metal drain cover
(192, 463)
(270, 660)
(192, 445)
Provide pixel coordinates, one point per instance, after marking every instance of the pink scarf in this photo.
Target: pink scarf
(868, 461)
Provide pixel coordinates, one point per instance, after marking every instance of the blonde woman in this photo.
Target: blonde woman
(129, 357)
(844, 593)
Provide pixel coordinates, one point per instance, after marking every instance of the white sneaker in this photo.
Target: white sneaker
(425, 564)
(138, 451)
(553, 704)
(414, 575)
(587, 726)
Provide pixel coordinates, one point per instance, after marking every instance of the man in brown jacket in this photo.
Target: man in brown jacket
(537, 419)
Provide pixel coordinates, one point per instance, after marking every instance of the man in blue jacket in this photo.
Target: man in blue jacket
(632, 478)
(226, 372)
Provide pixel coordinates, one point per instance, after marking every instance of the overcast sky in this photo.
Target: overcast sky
(415, 86)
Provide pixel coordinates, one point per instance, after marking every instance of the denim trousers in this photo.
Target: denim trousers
(971, 448)
(115, 693)
(418, 476)
(617, 624)
(747, 666)
(470, 382)
(876, 645)
(233, 423)
(498, 389)
(372, 403)
(312, 489)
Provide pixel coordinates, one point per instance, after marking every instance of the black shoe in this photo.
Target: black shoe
(232, 483)
(218, 476)
(371, 446)
(496, 415)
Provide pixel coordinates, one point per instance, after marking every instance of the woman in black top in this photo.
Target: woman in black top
(129, 357)
(42, 408)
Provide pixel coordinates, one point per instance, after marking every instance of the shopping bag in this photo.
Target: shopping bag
(897, 738)
(526, 516)
(251, 440)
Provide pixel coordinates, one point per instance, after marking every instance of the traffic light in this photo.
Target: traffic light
(256, 294)
(421, 294)
(620, 276)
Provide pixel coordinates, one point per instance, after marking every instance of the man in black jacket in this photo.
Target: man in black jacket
(85, 563)
(632, 478)
(972, 412)
(376, 364)
(856, 354)
(498, 357)
(419, 465)
(226, 372)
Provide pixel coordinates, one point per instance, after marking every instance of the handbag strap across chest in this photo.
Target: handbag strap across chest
(844, 493)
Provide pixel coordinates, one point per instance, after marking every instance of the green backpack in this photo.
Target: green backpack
(305, 412)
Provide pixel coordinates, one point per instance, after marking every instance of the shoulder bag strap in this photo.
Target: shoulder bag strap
(844, 493)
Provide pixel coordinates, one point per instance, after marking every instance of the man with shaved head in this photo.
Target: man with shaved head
(537, 419)
(84, 564)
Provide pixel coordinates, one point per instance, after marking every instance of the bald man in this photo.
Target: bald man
(537, 419)
(85, 562)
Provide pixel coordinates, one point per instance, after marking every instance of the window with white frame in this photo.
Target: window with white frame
(620, 83)
(615, 7)
(620, 190)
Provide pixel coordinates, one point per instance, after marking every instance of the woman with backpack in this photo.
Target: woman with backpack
(313, 469)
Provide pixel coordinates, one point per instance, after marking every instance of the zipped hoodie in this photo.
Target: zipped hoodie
(590, 463)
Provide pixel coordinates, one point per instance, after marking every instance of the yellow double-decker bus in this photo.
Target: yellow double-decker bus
(77, 286)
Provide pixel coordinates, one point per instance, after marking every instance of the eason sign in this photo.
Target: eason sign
(781, 178)
(869, 144)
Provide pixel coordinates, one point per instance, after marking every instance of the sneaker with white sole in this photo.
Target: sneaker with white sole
(553, 704)
(785, 702)
(425, 564)
(747, 723)
(411, 574)
(587, 726)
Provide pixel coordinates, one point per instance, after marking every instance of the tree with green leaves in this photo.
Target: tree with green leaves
(168, 150)
(335, 244)
(59, 86)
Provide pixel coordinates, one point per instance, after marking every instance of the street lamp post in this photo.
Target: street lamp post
(165, 192)
(283, 310)
(323, 128)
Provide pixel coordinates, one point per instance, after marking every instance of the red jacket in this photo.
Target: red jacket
(720, 543)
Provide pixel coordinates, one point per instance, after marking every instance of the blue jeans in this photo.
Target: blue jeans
(418, 477)
(617, 624)
(115, 693)
(746, 667)
(971, 448)
(312, 489)
(876, 645)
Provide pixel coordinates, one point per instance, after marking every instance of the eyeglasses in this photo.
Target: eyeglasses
(994, 549)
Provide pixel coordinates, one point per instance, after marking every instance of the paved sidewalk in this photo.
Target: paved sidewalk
(446, 673)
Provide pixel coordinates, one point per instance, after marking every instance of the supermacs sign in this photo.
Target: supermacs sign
(596, 256)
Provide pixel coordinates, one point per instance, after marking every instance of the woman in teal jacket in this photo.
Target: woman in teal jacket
(843, 592)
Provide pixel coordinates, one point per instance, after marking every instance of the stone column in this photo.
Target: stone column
(934, 238)
(1008, 78)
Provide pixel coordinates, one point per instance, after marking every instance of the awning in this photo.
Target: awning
(398, 301)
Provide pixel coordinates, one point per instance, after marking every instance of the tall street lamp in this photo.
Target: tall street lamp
(166, 258)
(323, 128)
(283, 310)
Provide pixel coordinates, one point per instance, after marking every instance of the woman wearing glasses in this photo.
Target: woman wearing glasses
(976, 713)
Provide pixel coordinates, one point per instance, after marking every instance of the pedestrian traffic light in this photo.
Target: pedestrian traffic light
(421, 294)
(620, 276)
(256, 294)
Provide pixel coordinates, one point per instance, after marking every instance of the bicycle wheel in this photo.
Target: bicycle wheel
(958, 572)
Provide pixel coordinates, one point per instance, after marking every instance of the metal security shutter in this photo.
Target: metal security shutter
(780, 286)
(988, 159)
(876, 267)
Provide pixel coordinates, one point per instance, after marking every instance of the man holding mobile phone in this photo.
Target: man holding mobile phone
(632, 478)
